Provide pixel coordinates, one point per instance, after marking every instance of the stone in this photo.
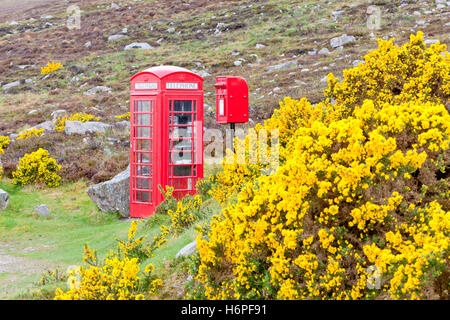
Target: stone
(431, 41)
(125, 30)
(122, 124)
(259, 46)
(237, 63)
(282, 66)
(4, 199)
(138, 45)
(187, 250)
(171, 30)
(88, 44)
(113, 195)
(79, 127)
(115, 6)
(324, 51)
(42, 210)
(11, 85)
(341, 41)
(97, 89)
(47, 126)
(32, 112)
(115, 37)
(59, 114)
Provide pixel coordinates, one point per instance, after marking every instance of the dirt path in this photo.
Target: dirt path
(15, 272)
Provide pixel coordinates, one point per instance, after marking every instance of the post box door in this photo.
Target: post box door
(142, 154)
(185, 135)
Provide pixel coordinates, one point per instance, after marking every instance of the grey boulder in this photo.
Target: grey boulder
(4, 199)
(85, 127)
(282, 66)
(113, 195)
(138, 45)
(187, 250)
(42, 210)
(341, 41)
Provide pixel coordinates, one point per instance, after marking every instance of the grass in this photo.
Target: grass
(44, 243)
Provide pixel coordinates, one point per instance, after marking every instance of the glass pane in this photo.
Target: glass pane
(182, 105)
(142, 171)
(143, 119)
(183, 119)
(181, 171)
(181, 157)
(143, 158)
(182, 145)
(180, 132)
(144, 145)
(142, 196)
(143, 106)
(143, 132)
(143, 184)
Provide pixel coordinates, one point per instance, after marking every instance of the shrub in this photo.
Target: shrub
(125, 116)
(4, 142)
(119, 275)
(358, 208)
(37, 167)
(51, 67)
(60, 122)
(25, 134)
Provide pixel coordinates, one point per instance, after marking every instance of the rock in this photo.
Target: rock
(237, 63)
(171, 30)
(122, 124)
(88, 44)
(59, 114)
(125, 30)
(312, 52)
(282, 66)
(32, 112)
(187, 250)
(138, 45)
(431, 41)
(42, 210)
(97, 89)
(324, 51)
(47, 126)
(259, 46)
(4, 199)
(115, 37)
(203, 73)
(11, 85)
(357, 62)
(113, 195)
(85, 127)
(115, 6)
(341, 41)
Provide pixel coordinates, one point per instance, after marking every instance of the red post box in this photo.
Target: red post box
(166, 107)
(231, 100)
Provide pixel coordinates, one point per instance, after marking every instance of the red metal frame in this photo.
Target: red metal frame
(166, 108)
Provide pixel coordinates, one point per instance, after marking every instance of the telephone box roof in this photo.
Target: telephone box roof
(163, 71)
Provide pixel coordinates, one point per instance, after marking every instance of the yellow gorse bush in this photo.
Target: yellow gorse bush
(60, 122)
(51, 67)
(125, 116)
(119, 276)
(358, 207)
(25, 134)
(37, 167)
(4, 142)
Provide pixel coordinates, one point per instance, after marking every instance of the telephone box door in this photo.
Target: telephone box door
(142, 188)
(185, 135)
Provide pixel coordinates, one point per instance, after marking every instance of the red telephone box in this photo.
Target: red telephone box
(166, 108)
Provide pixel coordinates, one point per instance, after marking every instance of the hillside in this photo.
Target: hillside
(282, 48)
